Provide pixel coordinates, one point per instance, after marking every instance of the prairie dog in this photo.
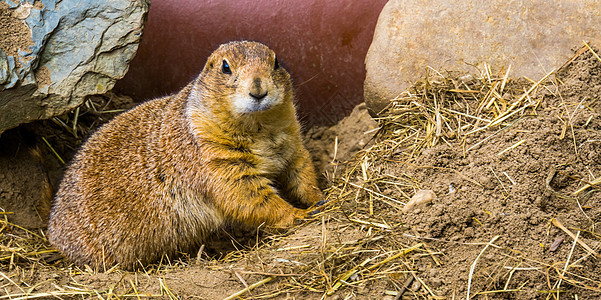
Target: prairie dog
(157, 179)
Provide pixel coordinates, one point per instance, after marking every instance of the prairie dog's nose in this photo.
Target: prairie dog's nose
(256, 90)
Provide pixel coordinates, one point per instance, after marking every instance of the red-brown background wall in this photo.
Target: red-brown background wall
(322, 44)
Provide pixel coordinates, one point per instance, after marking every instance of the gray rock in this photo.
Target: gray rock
(534, 37)
(54, 53)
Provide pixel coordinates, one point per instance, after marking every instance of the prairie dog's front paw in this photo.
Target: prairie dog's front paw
(291, 218)
(313, 196)
(316, 208)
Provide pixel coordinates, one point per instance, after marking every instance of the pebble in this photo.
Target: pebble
(420, 200)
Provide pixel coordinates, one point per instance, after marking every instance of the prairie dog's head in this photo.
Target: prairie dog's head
(243, 78)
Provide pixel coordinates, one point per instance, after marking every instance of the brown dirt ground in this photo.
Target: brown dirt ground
(498, 190)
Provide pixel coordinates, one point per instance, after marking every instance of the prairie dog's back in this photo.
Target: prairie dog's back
(115, 187)
(157, 179)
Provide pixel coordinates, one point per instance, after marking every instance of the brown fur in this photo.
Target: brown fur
(157, 179)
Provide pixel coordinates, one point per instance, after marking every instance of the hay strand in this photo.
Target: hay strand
(249, 288)
(473, 267)
(559, 225)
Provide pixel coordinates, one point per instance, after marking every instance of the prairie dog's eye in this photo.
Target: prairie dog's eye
(225, 67)
(276, 64)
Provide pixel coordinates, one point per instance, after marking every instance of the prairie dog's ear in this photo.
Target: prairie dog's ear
(211, 63)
